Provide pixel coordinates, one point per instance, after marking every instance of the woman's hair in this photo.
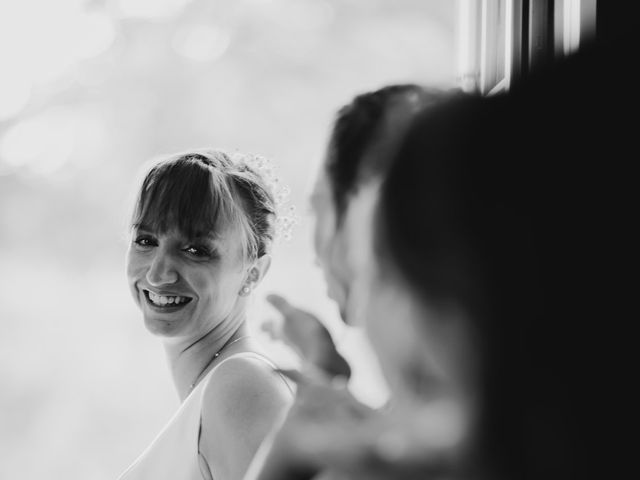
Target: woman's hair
(365, 133)
(205, 192)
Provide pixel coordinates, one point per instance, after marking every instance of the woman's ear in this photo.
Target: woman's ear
(255, 274)
(259, 269)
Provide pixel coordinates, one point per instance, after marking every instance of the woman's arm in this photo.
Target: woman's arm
(242, 401)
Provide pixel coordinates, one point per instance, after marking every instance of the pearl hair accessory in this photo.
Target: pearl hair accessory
(286, 216)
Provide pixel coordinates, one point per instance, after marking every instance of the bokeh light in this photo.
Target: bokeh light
(150, 9)
(43, 143)
(201, 43)
(43, 39)
(14, 94)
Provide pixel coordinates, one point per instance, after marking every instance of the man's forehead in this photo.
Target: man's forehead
(321, 190)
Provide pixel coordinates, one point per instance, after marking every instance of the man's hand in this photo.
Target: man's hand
(321, 417)
(328, 434)
(329, 431)
(311, 339)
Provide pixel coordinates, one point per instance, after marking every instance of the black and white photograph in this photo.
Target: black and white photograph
(314, 239)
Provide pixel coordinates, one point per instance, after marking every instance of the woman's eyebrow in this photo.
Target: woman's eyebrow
(209, 236)
(143, 226)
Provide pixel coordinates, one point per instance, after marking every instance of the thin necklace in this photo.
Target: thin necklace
(217, 354)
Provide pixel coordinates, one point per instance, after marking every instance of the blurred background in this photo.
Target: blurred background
(89, 91)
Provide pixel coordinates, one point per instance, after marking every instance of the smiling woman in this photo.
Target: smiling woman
(202, 227)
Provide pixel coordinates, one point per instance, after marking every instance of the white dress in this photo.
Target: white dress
(173, 454)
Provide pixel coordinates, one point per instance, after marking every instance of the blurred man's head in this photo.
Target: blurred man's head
(364, 137)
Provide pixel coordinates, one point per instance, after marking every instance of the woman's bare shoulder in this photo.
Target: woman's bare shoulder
(245, 378)
(244, 393)
(242, 401)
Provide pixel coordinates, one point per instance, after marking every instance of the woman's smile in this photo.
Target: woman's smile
(165, 303)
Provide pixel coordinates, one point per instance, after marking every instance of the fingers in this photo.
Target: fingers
(336, 366)
(312, 376)
(289, 312)
(280, 304)
(311, 338)
(294, 314)
(325, 393)
(270, 328)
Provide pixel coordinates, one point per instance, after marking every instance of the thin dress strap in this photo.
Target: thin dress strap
(174, 452)
(258, 356)
(202, 461)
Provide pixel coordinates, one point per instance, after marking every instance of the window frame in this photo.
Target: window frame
(501, 41)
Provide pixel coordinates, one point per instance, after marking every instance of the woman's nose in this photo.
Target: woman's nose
(161, 271)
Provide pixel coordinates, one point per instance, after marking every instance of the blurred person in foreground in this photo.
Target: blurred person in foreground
(201, 231)
(364, 138)
(490, 267)
(363, 134)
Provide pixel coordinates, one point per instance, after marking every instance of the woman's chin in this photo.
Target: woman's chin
(163, 326)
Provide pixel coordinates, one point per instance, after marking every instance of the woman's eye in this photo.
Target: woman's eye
(144, 241)
(197, 251)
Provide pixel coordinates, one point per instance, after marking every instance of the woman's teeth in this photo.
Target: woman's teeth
(162, 300)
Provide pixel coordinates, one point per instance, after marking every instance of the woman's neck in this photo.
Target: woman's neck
(190, 358)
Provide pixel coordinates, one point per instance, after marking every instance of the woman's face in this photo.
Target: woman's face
(185, 286)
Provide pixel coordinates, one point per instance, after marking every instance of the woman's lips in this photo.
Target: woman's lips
(166, 302)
